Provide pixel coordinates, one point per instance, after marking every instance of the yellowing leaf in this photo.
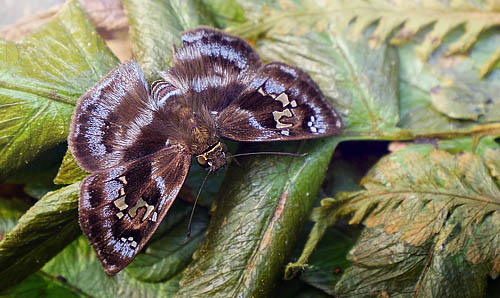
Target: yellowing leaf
(69, 171)
(425, 210)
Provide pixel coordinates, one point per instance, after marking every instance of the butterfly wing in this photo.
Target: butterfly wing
(281, 103)
(114, 120)
(223, 74)
(213, 67)
(127, 138)
(121, 207)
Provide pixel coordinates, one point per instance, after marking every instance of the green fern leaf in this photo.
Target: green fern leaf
(396, 22)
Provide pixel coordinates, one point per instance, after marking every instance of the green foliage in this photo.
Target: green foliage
(45, 229)
(431, 225)
(40, 80)
(420, 222)
(275, 194)
(37, 285)
(11, 210)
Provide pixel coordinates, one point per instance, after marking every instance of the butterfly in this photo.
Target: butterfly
(138, 143)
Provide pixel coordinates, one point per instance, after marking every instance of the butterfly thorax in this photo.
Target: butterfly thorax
(214, 157)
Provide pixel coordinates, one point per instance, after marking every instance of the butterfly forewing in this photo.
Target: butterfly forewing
(120, 133)
(113, 120)
(121, 207)
(281, 103)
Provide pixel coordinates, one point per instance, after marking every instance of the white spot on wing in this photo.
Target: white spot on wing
(312, 125)
(254, 123)
(141, 203)
(154, 218)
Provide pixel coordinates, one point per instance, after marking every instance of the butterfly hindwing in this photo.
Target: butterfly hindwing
(281, 103)
(112, 121)
(212, 67)
(121, 207)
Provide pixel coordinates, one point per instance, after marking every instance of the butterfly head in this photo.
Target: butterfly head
(214, 158)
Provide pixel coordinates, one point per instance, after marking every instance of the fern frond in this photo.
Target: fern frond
(431, 195)
(397, 22)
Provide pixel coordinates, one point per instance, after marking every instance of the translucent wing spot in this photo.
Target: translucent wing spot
(278, 115)
(141, 203)
(120, 215)
(120, 204)
(123, 179)
(338, 123)
(283, 98)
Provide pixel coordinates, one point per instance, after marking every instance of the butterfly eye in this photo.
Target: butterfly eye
(202, 160)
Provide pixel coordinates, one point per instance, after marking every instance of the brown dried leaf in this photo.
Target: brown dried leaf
(106, 15)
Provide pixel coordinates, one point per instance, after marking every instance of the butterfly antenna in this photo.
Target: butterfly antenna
(229, 155)
(271, 153)
(188, 235)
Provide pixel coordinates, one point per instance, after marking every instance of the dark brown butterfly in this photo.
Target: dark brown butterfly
(138, 144)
